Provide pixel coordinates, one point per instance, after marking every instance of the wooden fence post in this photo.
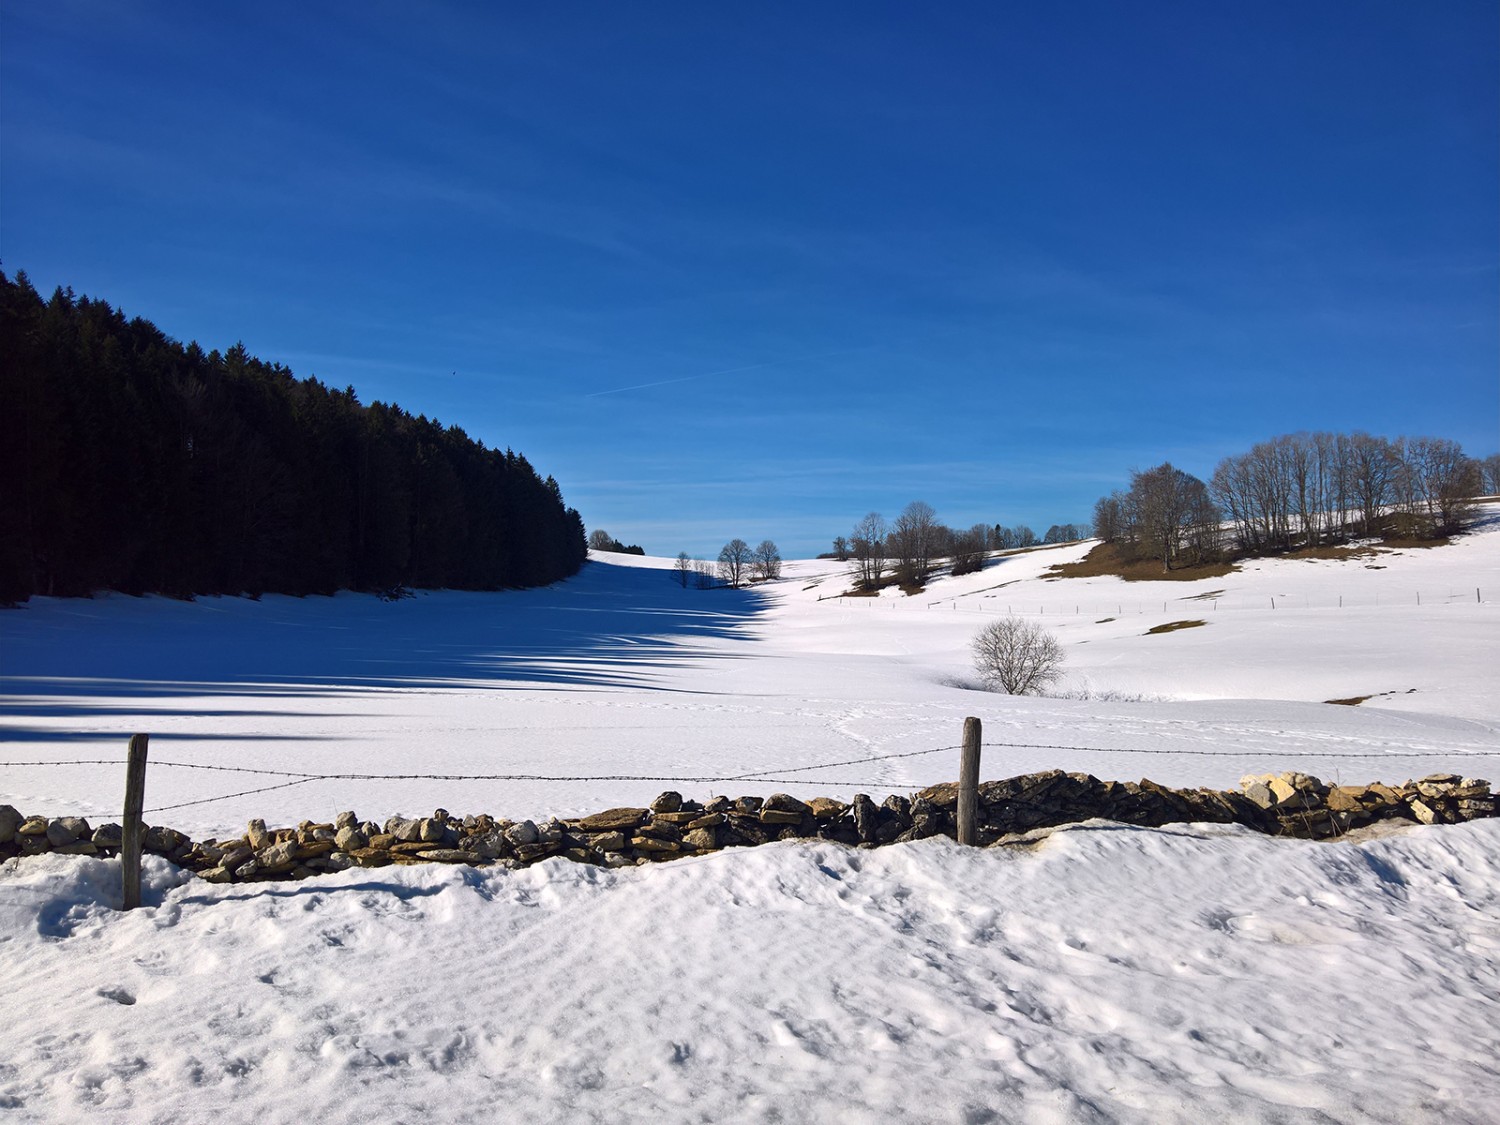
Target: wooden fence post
(132, 830)
(968, 783)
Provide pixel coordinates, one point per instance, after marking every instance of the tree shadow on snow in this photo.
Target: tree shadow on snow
(610, 627)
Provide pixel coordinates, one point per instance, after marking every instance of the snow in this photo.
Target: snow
(1110, 974)
(1103, 974)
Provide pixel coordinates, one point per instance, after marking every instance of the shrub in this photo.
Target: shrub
(1017, 657)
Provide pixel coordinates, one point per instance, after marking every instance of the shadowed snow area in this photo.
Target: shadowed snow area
(1111, 974)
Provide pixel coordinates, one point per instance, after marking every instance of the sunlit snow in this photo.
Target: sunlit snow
(1102, 974)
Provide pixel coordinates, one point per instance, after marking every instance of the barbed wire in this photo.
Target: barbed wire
(764, 777)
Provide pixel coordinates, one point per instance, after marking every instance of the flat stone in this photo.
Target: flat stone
(826, 808)
(944, 795)
(283, 854)
(527, 853)
(406, 831)
(708, 820)
(675, 817)
(78, 847)
(1423, 811)
(647, 844)
(315, 849)
(784, 803)
(409, 849)
(608, 841)
(67, 830)
(1260, 793)
(612, 820)
(369, 857)
(776, 816)
(448, 855)
(1345, 798)
(659, 831)
(32, 826)
(491, 845)
(217, 875)
(163, 841)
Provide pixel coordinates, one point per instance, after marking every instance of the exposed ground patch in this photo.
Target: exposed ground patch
(1106, 560)
(1173, 626)
(1356, 700)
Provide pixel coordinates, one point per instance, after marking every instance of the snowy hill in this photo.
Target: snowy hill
(1102, 974)
(622, 671)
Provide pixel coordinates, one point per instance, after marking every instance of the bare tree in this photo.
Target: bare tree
(1436, 484)
(969, 548)
(1168, 504)
(1489, 470)
(1016, 656)
(1372, 477)
(914, 541)
(734, 560)
(867, 547)
(601, 540)
(767, 561)
(703, 575)
(684, 568)
(841, 548)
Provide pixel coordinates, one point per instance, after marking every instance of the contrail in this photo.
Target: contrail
(725, 371)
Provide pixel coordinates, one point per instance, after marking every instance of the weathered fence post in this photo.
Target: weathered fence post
(968, 783)
(132, 830)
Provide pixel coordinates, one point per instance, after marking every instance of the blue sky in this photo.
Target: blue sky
(755, 270)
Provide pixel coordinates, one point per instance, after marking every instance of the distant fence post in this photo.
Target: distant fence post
(968, 783)
(132, 830)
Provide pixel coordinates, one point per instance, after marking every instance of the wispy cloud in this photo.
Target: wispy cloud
(723, 371)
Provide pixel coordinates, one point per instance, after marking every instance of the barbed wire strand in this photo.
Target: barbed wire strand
(230, 796)
(754, 777)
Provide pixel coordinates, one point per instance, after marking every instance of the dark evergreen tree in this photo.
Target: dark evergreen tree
(130, 462)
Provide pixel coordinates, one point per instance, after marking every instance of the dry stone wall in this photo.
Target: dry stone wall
(1287, 804)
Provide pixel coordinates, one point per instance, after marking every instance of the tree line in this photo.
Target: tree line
(908, 549)
(738, 564)
(601, 540)
(1297, 491)
(134, 463)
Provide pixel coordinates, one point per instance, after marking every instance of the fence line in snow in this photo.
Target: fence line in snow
(780, 775)
(991, 603)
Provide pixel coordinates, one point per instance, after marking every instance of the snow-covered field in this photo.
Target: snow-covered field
(1108, 974)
